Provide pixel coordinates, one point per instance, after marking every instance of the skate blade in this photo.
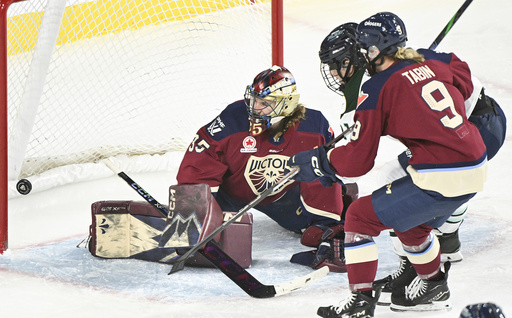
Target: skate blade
(434, 306)
(384, 299)
(452, 257)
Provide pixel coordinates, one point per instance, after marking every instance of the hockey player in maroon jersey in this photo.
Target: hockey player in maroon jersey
(418, 98)
(245, 149)
(343, 70)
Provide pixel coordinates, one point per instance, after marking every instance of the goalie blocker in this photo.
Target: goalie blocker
(132, 229)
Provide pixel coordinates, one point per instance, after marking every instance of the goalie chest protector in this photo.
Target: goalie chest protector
(133, 229)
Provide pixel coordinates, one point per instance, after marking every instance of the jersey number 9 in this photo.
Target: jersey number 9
(445, 102)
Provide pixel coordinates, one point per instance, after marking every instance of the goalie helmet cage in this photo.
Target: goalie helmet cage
(132, 81)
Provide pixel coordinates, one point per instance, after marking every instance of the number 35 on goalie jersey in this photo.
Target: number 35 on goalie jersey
(198, 145)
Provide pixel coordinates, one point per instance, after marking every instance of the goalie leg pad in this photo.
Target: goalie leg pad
(128, 229)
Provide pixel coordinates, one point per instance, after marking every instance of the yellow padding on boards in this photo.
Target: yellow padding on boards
(108, 16)
(427, 256)
(362, 253)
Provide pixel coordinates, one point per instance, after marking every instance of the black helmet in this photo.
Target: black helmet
(339, 50)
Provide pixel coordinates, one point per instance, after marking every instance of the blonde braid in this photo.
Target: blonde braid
(298, 114)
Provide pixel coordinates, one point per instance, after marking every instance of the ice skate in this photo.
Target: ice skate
(396, 282)
(424, 295)
(355, 305)
(450, 246)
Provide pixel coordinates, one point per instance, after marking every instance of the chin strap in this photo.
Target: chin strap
(377, 61)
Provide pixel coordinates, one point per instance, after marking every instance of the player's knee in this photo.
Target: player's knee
(425, 244)
(361, 218)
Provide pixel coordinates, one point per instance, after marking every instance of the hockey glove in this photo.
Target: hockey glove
(314, 165)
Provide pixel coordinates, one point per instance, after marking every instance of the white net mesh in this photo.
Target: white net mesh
(125, 77)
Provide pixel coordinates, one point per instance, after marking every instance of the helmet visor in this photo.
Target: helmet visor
(262, 107)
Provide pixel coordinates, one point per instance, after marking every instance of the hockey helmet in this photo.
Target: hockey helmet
(482, 310)
(339, 51)
(384, 32)
(273, 93)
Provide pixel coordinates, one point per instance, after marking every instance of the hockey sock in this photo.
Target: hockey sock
(454, 221)
(425, 258)
(361, 257)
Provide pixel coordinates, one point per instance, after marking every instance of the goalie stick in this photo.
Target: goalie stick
(134, 185)
(224, 262)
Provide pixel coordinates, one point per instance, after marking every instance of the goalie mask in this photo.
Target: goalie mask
(272, 94)
(340, 57)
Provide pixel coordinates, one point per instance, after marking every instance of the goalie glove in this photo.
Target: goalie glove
(314, 165)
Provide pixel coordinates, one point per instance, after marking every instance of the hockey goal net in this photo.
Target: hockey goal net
(131, 80)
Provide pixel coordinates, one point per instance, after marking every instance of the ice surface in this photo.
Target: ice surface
(44, 274)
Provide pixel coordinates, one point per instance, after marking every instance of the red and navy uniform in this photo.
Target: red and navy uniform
(421, 105)
(238, 167)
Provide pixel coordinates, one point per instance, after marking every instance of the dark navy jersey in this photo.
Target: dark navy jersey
(421, 105)
(223, 153)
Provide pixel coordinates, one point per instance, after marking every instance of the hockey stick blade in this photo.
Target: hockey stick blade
(288, 287)
(249, 283)
(180, 262)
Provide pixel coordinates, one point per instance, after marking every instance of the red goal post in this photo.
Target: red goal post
(85, 80)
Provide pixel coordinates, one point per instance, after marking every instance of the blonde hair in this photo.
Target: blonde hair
(298, 114)
(408, 53)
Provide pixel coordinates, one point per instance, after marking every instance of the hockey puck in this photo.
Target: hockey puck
(24, 186)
